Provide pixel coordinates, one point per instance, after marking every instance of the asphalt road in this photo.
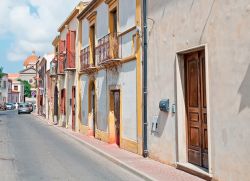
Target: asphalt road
(32, 150)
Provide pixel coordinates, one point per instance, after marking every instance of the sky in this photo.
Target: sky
(27, 25)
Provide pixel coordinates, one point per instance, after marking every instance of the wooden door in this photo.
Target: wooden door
(63, 100)
(117, 116)
(56, 101)
(73, 107)
(93, 108)
(196, 108)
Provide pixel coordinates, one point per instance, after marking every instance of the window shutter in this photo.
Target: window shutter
(68, 49)
(72, 47)
(61, 55)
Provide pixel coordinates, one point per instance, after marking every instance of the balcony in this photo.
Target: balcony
(53, 68)
(107, 51)
(86, 66)
(69, 63)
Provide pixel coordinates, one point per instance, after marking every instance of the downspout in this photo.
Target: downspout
(145, 88)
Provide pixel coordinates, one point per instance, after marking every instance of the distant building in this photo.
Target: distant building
(29, 73)
(4, 89)
(43, 85)
(9, 89)
(17, 92)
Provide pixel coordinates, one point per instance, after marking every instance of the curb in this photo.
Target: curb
(104, 154)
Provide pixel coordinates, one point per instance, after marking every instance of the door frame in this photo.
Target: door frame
(92, 83)
(112, 99)
(111, 118)
(73, 107)
(181, 117)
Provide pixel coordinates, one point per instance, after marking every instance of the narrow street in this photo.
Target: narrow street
(33, 150)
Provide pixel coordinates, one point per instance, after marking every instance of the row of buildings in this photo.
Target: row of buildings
(164, 79)
(5, 89)
(11, 86)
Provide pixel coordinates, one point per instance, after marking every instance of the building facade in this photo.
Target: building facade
(4, 89)
(54, 83)
(68, 68)
(17, 93)
(198, 63)
(41, 86)
(28, 74)
(9, 90)
(110, 73)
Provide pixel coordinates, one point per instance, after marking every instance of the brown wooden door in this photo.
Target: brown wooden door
(93, 108)
(196, 108)
(117, 116)
(63, 97)
(73, 107)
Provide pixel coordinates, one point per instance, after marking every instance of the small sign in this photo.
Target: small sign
(33, 93)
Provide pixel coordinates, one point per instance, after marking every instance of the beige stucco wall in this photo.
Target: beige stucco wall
(69, 79)
(223, 26)
(123, 78)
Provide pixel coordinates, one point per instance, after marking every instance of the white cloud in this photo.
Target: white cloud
(33, 24)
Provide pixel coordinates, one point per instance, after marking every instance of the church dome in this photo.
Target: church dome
(32, 59)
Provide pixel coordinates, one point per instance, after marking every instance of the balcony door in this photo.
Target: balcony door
(113, 21)
(71, 41)
(92, 44)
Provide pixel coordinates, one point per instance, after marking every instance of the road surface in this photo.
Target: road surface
(32, 150)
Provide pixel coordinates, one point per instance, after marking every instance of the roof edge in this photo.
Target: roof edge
(73, 13)
(86, 9)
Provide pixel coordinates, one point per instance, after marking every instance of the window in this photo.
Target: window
(4, 84)
(16, 87)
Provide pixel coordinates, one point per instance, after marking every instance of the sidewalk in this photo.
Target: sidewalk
(143, 167)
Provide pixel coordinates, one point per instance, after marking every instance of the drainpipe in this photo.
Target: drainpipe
(145, 89)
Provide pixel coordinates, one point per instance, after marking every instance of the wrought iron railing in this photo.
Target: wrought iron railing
(108, 48)
(85, 58)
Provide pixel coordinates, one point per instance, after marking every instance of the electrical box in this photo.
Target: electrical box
(154, 124)
(173, 108)
(164, 105)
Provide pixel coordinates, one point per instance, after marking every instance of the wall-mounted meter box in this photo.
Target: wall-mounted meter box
(154, 124)
(164, 105)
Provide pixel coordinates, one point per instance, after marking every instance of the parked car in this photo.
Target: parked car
(24, 108)
(10, 106)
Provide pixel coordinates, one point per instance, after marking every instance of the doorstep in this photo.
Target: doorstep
(145, 168)
(194, 170)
